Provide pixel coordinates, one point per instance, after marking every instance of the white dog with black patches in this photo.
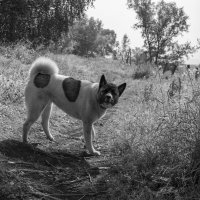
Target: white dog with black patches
(80, 99)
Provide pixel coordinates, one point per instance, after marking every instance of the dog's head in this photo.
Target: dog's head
(109, 93)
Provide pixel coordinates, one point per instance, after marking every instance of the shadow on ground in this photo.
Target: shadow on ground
(30, 153)
(27, 172)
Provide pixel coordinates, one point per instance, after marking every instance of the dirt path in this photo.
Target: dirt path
(50, 170)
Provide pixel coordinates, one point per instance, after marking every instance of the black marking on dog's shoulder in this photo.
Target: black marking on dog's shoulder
(71, 88)
(41, 80)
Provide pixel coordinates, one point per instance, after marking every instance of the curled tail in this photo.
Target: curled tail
(44, 66)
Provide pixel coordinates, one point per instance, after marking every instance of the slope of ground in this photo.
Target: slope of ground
(146, 140)
(44, 169)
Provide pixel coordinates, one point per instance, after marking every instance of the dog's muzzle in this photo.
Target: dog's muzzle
(108, 101)
(109, 98)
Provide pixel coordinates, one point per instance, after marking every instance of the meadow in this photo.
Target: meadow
(149, 141)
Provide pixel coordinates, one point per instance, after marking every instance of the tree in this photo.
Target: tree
(125, 43)
(85, 34)
(105, 42)
(139, 56)
(160, 25)
(39, 21)
(126, 50)
(91, 38)
(11, 12)
(198, 43)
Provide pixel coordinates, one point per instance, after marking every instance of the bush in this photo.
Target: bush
(12, 80)
(159, 160)
(142, 71)
(21, 51)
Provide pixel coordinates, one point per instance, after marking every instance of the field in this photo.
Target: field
(149, 141)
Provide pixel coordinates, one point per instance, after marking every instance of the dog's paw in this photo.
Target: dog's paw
(51, 138)
(95, 153)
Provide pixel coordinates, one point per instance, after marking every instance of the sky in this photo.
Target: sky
(116, 16)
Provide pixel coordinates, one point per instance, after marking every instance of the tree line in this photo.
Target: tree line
(39, 21)
(61, 22)
(64, 23)
(90, 38)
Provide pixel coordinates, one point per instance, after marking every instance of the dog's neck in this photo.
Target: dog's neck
(97, 108)
(102, 107)
(99, 105)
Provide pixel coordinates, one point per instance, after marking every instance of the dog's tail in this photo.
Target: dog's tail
(44, 66)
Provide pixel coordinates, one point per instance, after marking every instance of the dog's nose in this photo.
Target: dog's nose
(109, 97)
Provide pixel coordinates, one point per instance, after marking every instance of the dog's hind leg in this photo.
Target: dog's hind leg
(35, 108)
(45, 120)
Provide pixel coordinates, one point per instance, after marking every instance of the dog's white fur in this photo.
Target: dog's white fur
(39, 101)
(43, 65)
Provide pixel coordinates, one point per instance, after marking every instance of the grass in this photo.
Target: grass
(143, 71)
(158, 144)
(149, 141)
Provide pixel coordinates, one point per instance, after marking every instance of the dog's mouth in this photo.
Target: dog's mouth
(105, 105)
(107, 100)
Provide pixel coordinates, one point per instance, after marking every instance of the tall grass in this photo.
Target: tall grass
(153, 139)
(15, 61)
(143, 71)
(158, 146)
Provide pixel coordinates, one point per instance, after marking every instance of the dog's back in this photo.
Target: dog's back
(80, 99)
(69, 94)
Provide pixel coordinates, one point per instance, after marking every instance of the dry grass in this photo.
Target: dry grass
(157, 143)
(149, 141)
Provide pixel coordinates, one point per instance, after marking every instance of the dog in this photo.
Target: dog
(80, 99)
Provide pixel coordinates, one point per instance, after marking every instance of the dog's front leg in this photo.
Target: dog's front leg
(93, 134)
(88, 129)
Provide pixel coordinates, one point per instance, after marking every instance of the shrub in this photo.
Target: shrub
(12, 80)
(142, 71)
(21, 51)
(11, 92)
(158, 160)
(148, 92)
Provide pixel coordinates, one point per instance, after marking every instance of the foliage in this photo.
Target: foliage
(150, 143)
(85, 33)
(142, 71)
(125, 43)
(11, 91)
(158, 152)
(105, 42)
(21, 51)
(90, 38)
(125, 51)
(177, 51)
(198, 43)
(139, 56)
(160, 24)
(38, 21)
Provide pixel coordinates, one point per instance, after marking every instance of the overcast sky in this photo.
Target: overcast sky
(115, 15)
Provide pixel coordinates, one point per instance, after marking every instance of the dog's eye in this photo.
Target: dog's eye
(102, 92)
(114, 93)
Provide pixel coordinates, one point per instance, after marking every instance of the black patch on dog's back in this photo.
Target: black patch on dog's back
(41, 80)
(71, 88)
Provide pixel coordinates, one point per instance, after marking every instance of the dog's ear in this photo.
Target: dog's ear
(121, 88)
(102, 81)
